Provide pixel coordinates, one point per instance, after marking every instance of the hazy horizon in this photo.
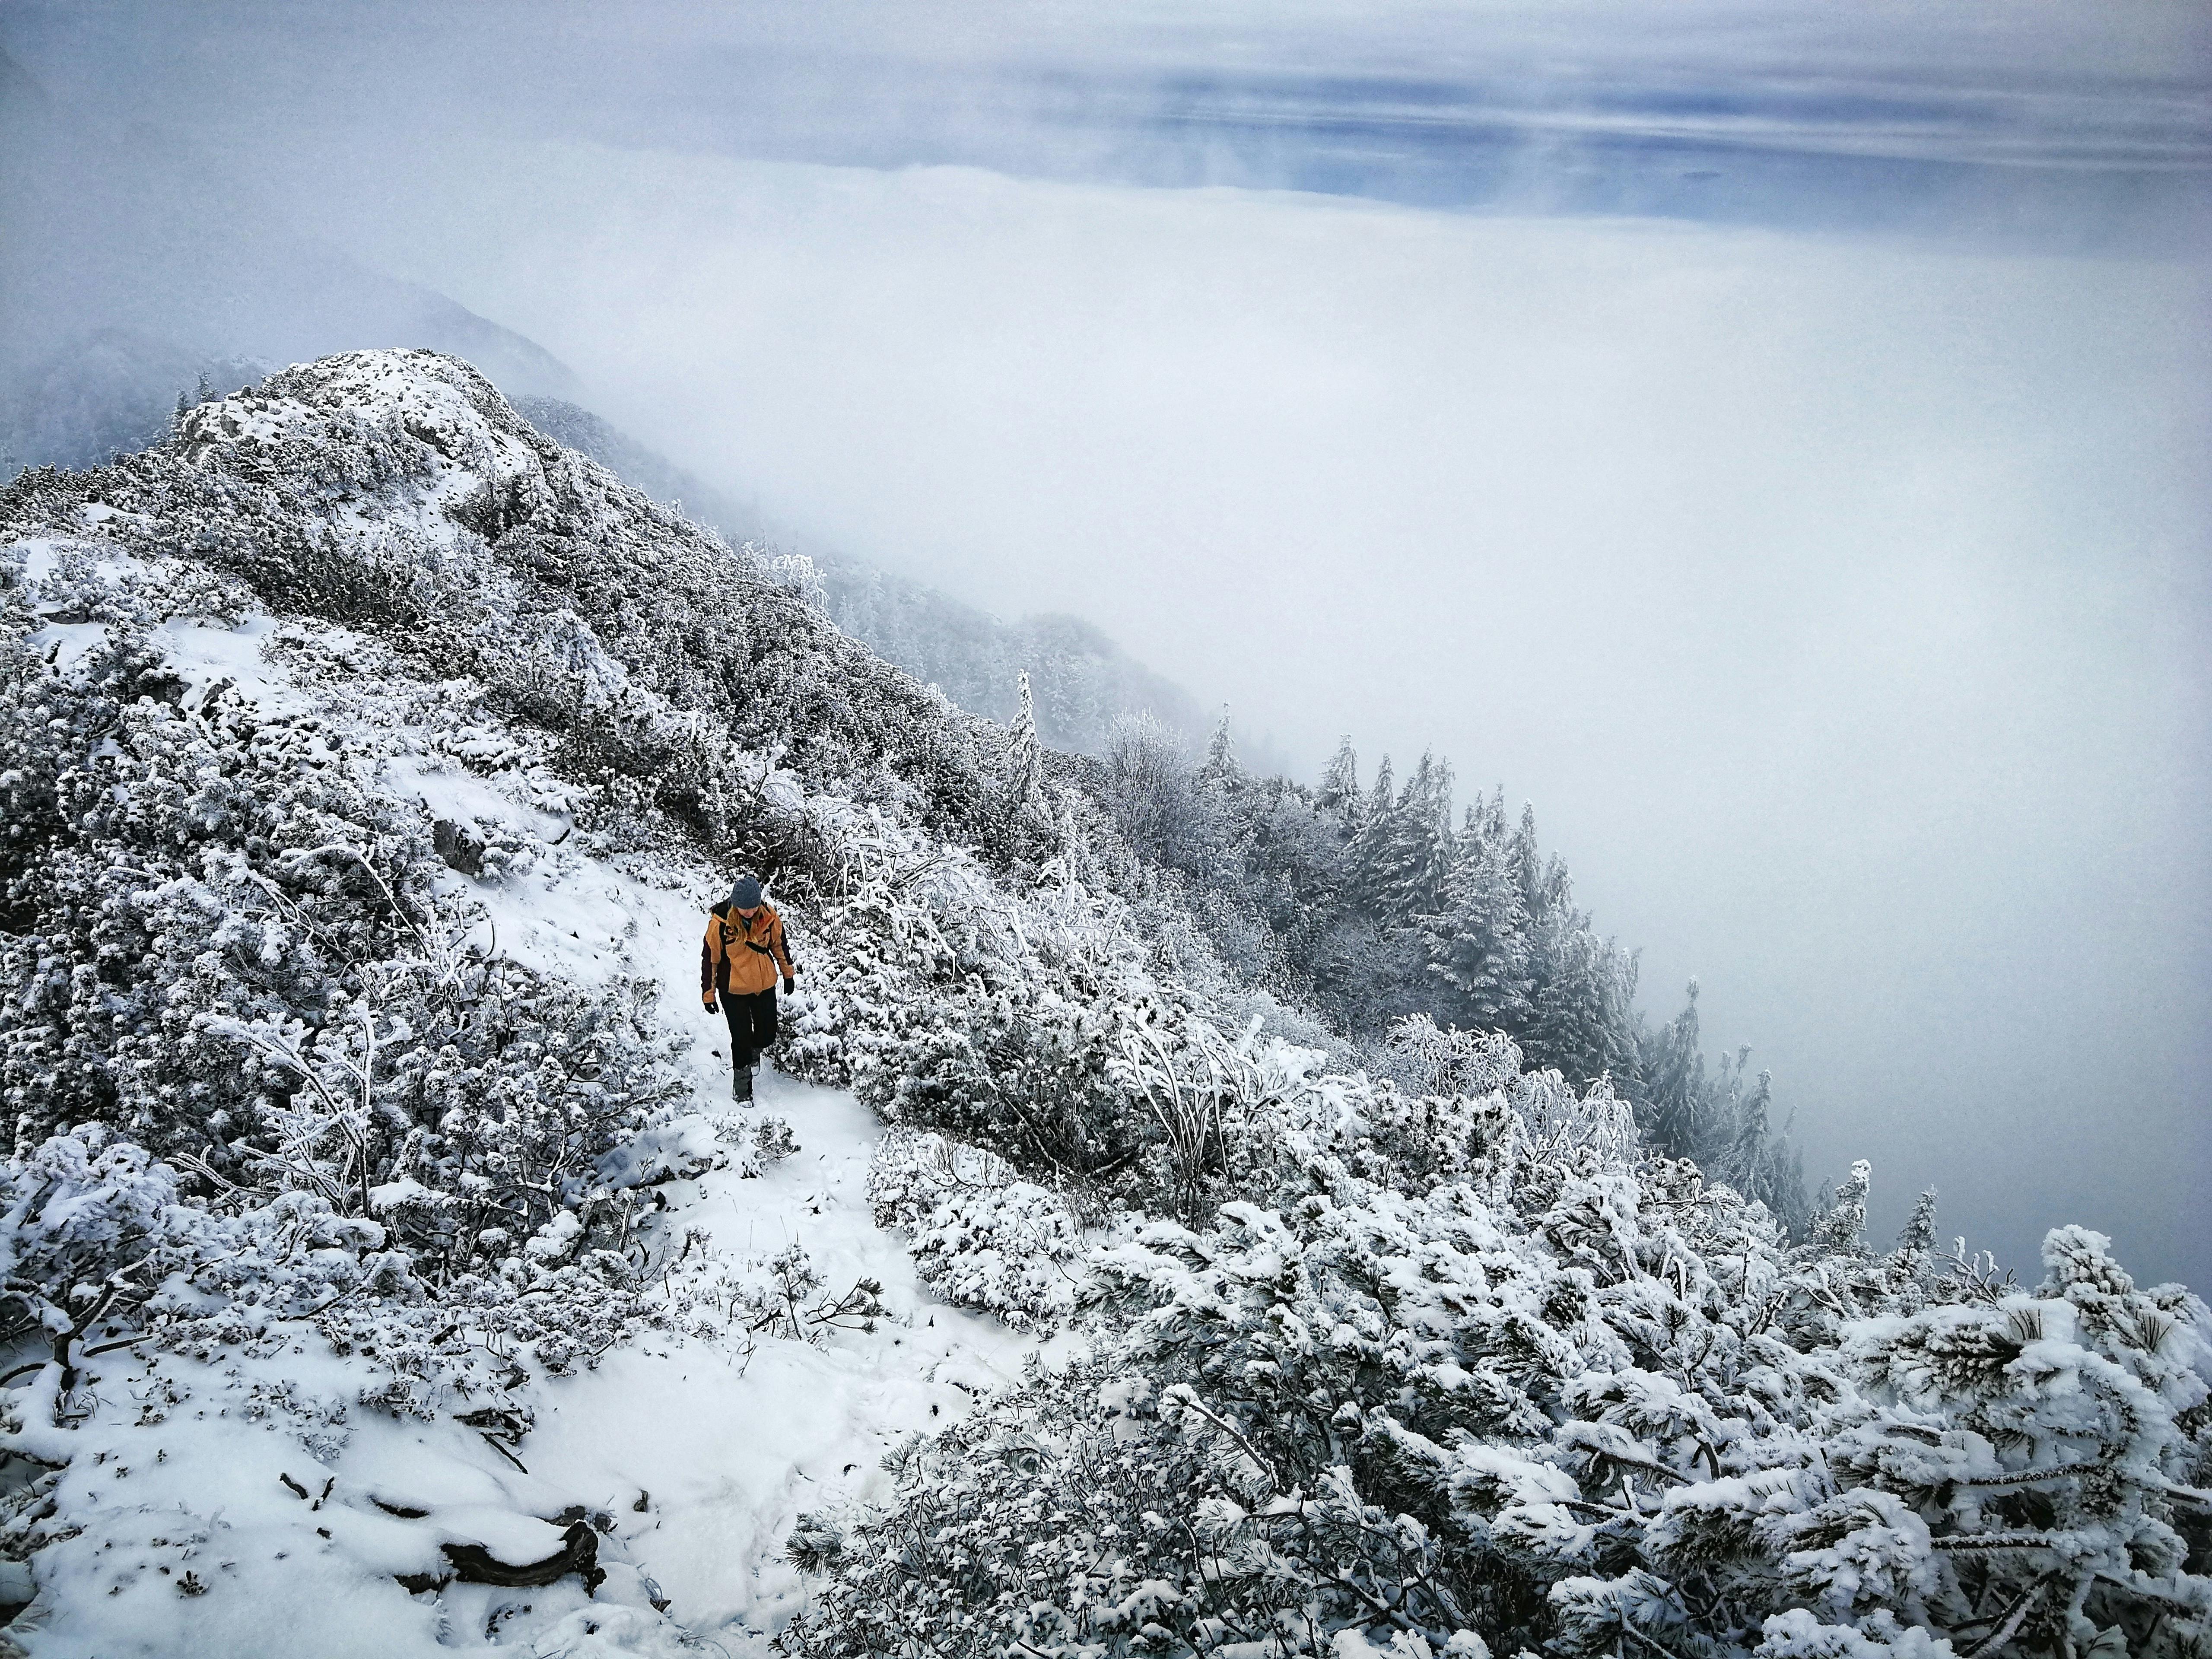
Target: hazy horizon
(1773, 443)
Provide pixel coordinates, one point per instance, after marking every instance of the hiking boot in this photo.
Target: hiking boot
(741, 1085)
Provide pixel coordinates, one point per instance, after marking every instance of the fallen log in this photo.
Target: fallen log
(579, 1554)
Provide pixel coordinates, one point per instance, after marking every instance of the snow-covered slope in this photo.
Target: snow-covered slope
(750, 1378)
(692, 1448)
(383, 1271)
(695, 1455)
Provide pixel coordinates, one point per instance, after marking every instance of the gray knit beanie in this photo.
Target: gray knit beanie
(746, 894)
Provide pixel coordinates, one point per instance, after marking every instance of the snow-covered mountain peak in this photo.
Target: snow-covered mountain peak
(465, 441)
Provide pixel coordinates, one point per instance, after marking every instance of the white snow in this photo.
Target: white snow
(206, 653)
(730, 1458)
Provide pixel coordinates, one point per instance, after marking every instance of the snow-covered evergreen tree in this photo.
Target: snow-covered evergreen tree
(1400, 860)
(1340, 783)
(1581, 1015)
(1220, 768)
(1025, 759)
(1479, 945)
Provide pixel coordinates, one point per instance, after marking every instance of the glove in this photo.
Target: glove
(789, 985)
(712, 1009)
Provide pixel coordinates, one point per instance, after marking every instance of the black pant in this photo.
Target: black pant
(752, 1024)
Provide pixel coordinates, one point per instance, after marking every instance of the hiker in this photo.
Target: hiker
(745, 944)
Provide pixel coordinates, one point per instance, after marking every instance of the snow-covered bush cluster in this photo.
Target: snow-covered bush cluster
(228, 946)
(1486, 1375)
(1420, 1298)
(983, 1237)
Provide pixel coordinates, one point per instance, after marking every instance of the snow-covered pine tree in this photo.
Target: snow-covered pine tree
(2046, 1453)
(1023, 763)
(1751, 1157)
(1220, 768)
(1673, 1112)
(1840, 1229)
(1478, 947)
(1377, 805)
(1339, 784)
(1916, 1240)
(1400, 862)
(1581, 1004)
(1544, 886)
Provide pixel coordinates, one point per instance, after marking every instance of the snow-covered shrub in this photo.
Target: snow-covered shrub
(163, 860)
(101, 1254)
(946, 1003)
(99, 1248)
(980, 1237)
(504, 1106)
(1557, 1400)
(795, 571)
(772, 1140)
(785, 1296)
(92, 1235)
(1021, 1068)
(1083, 1514)
(2054, 1444)
(228, 949)
(1424, 1059)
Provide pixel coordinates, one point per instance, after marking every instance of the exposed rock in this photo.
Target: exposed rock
(459, 846)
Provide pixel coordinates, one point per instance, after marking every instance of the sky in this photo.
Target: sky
(1771, 440)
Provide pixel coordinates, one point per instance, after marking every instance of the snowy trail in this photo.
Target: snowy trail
(726, 1461)
(724, 1457)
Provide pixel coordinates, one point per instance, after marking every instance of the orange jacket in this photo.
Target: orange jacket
(740, 956)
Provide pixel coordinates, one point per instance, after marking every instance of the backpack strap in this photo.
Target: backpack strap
(731, 933)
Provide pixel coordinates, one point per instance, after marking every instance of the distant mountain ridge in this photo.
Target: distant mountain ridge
(129, 283)
(1082, 682)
